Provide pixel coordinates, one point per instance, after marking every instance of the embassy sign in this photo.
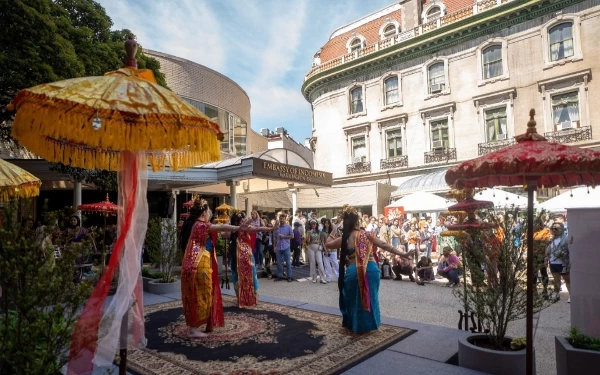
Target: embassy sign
(284, 172)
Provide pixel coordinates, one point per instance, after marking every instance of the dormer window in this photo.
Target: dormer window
(434, 12)
(355, 45)
(389, 31)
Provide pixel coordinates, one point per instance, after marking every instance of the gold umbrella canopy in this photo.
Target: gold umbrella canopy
(86, 122)
(16, 182)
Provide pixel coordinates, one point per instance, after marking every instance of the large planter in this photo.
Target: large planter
(145, 282)
(155, 287)
(490, 361)
(573, 361)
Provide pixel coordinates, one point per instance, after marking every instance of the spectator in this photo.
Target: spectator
(413, 237)
(403, 266)
(425, 269)
(396, 233)
(296, 243)
(557, 255)
(426, 243)
(451, 270)
(315, 252)
(330, 256)
(282, 236)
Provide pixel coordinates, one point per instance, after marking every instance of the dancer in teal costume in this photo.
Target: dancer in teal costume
(359, 274)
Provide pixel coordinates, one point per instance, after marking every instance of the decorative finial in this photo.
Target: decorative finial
(131, 49)
(531, 123)
(108, 200)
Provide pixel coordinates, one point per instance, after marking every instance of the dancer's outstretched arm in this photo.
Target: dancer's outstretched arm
(389, 248)
(224, 228)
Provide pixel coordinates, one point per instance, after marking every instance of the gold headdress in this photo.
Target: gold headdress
(348, 209)
(199, 201)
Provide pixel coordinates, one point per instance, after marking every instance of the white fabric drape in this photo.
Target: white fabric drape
(357, 104)
(128, 300)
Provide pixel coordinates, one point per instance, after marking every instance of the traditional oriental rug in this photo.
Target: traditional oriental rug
(269, 339)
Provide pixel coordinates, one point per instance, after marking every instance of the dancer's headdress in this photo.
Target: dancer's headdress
(199, 201)
(348, 209)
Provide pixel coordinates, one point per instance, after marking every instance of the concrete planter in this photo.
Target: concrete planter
(146, 281)
(490, 361)
(572, 361)
(155, 287)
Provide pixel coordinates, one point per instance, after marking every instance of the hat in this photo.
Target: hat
(297, 224)
(312, 221)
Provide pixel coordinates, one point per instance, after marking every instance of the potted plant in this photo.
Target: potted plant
(577, 353)
(162, 246)
(495, 288)
(149, 275)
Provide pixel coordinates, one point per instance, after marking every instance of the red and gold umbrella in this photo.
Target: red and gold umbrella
(105, 207)
(16, 182)
(121, 121)
(532, 162)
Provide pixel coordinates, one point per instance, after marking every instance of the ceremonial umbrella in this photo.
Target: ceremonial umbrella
(16, 182)
(104, 208)
(533, 162)
(120, 121)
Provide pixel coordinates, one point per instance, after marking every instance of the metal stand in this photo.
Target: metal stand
(123, 352)
(225, 280)
(475, 327)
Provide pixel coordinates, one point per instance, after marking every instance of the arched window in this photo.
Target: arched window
(492, 61)
(434, 12)
(389, 31)
(355, 45)
(561, 41)
(356, 100)
(391, 90)
(436, 77)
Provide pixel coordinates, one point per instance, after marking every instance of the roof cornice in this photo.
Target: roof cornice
(475, 26)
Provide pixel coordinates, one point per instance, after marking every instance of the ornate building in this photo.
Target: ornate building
(419, 86)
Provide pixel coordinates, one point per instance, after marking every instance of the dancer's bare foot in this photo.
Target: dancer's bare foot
(195, 333)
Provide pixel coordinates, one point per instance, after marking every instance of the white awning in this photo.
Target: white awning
(422, 202)
(573, 198)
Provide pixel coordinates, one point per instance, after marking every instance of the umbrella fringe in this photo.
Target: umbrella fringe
(28, 190)
(38, 115)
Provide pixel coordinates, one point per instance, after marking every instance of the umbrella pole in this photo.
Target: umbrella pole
(531, 187)
(104, 242)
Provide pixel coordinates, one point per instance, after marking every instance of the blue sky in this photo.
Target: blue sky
(266, 46)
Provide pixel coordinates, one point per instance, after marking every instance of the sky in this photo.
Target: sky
(265, 46)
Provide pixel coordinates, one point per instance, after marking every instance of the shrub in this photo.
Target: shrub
(580, 341)
(41, 295)
(162, 239)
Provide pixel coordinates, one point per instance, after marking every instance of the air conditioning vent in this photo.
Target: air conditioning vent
(280, 130)
(436, 88)
(356, 159)
(437, 144)
(265, 132)
(501, 137)
(565, 125)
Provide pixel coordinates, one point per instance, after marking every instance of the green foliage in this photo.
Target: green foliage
(41, 295)
(498, 296)
(220, 248)
(518, 343)
(44, 41)
(152, 275)
(162, 244)
(580, 341)
(103, 180)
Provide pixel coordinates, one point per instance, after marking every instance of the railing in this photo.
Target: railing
(486, 148)
(360, 167)
(583, 133)
(443, 155)
(397, 162)
(460, 14)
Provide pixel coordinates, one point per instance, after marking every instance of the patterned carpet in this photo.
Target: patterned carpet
(270, 339)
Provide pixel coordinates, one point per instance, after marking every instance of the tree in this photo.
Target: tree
(45, 41)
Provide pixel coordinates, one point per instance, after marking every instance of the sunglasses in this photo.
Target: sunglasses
(556, 228)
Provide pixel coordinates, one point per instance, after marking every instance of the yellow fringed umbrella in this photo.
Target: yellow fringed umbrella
(86, 122)
(121, 121)
(16, 182)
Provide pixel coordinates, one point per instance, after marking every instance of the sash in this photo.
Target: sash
(245, 261)
(363, 248)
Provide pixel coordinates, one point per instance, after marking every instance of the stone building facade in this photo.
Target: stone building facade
(422, 85)
(217, 96)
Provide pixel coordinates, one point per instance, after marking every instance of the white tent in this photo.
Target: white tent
(580, 199)
(422, 202)
(502, 198)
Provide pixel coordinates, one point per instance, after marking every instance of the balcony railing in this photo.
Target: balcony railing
(477, 7)
(486, 148)
(396, 162)
(359, 167)
(583, 133)
(443, 155)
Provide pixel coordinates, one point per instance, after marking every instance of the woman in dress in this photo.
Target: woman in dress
(243, 268)
(315, 252)
(330, 258)
(200, 290)
(359, 274)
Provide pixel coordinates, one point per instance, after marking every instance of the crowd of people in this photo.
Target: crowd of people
(353, 249)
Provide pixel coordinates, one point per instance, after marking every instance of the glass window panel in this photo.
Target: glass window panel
(356, 105)
(492, 61)
(389, 31)
(565, 107)
(436, 74)
(439, 132)
(435, 11)
(355, 45)
(561, 41)
(495, 124)
(394, 143)
(391, 90)
(359, 149)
